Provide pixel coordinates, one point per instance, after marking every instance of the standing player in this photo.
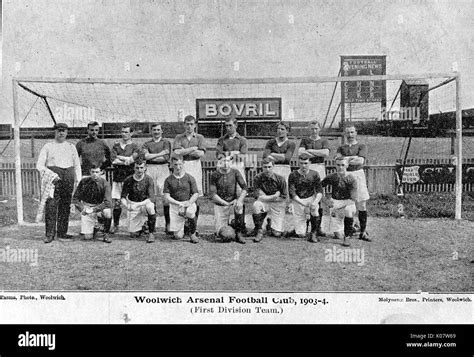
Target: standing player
(223, 192)
(344, 188)
(93, 199)
(280, 150)
(124, 154)
(234, 145)
(271, 193)
(191, 146)
(182, 193)
(157, 154)
(318, 150)
(59, 157)
(138, 195)
(92, 150)
(356, 154)
(306, 192)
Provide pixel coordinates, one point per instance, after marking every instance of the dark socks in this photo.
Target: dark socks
(107, 224)
(348, 226)
(363, 220)
(151, 223)
(315, 223)
(166, 213)
(117, 212)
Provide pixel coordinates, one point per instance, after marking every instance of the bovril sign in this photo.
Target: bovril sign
(241, 108)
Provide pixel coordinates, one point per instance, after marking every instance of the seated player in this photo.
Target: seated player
(138, 196)
(223, 192)
(93, 199)
(181, 192)
(342, 201)
(306, 192)
(271, 198)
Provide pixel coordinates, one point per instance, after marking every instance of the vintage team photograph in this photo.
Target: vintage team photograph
(258, 146)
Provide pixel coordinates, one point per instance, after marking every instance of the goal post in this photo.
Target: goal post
(41, 101)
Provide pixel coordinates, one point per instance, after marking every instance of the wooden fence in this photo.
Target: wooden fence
(381, 177)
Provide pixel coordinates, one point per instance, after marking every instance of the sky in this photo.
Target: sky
(206, 38)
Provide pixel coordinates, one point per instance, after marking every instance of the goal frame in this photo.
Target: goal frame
(270, 80)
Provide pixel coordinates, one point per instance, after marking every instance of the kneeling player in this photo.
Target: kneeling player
(342, 202)
(223, 192)
(93, 199)
(306, 192)
(271, 198)
(138, 195)
(181, 192)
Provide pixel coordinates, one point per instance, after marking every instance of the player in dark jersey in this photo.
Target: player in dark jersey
(280, 149)
(93, 151)
(342, 202)
(318, 149)
(356, 154)
(182, 193)
(93, 199)
(124, 153)
(306, 192)
(271, 193)
(234, 145)
(223, 192)
(157, 153)
(138, 196)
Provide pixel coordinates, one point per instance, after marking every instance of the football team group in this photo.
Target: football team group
(73, 178)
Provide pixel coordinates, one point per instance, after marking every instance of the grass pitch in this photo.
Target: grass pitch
(406, 255)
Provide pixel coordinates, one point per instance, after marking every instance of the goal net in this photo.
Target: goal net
(407, 109)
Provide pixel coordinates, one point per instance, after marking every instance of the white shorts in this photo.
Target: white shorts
(89, 220)
(320, 169)
(276, 212)
(222, 215)
(158, 173)
(301, 213)
(239, 166)
(194, 168)
(101, 176)
(282, 170)
(177, 221)
(138, 213)
(117, 190)
(361, 193)
(334, 222)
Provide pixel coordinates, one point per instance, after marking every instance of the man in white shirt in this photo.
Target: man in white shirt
(60, 157)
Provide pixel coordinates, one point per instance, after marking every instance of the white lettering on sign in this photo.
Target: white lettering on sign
(226, 109)
(211, 110)
(411, 175)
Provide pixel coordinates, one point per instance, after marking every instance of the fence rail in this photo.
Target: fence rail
(381, 178)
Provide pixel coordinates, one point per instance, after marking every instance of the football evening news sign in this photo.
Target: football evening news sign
(218, 109)
(363, 91)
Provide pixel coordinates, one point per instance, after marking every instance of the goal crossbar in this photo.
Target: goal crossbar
(269, 80)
